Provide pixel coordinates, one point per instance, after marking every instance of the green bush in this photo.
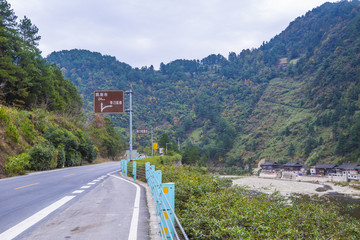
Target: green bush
(40, 120)
(77, 145)
(86, 146)
(12, 134)
(42, 157)
(17, 164)
(27, 129)
(4, 118)
(73, 158)
(59, 136)
(170, 160)
(61, 157)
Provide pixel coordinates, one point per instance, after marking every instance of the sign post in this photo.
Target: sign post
(152, 143)
(130, 110)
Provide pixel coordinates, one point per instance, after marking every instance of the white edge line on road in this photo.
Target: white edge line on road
(136, 212)
(37, 217)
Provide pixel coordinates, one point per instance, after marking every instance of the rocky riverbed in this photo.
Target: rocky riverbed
(287, 187)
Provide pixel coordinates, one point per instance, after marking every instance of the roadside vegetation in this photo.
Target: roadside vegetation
(40, 140)
(210, 208)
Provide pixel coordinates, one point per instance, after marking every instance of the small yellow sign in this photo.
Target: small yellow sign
(155, 145)
(165, 190)
(166, 216)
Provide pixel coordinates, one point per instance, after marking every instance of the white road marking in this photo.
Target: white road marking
(136, 212)
(91, 183)
(85, 187)
(77, 191)
(96, 180)
(37, 217)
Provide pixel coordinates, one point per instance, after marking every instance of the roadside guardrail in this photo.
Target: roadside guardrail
(163, 194)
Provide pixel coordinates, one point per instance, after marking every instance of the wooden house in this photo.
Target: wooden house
(325, 169)
(348, 168)
(270, 166)
(292, 167)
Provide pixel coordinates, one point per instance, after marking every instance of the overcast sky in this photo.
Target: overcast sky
(148, 32)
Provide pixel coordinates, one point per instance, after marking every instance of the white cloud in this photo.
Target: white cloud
(147, 32)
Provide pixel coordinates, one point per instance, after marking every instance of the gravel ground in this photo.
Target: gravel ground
(286, 187)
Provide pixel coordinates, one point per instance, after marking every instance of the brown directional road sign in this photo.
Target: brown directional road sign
(108, 101)
(142, 131)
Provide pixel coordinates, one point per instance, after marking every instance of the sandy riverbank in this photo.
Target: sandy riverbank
(286, 187)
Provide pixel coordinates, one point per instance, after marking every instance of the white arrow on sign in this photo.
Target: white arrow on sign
(103, 107)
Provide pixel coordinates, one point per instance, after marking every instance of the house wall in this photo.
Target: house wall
(268, 174)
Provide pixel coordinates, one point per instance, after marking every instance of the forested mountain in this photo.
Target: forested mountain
(41, 119)
(295, 98)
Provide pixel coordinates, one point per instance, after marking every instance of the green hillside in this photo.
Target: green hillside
(295, 98)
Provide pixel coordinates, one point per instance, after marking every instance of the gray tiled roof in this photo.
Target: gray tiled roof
(293, 164)
(349, 166)
(328, 166)
(269, 164)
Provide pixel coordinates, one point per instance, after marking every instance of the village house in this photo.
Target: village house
(270, 170)
(324, 169)
(292, 167)
(270, 166)
(292, 170)
(348, 168)
(346, 172)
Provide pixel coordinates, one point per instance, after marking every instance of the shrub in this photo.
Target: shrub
(86, 147)
(73, 158)
(40, 120)
(59, 136)
(28, 130)
(170, 160)
(17, 164)
(4, 118)
(61, 157)
(42, 157)
(12, 133)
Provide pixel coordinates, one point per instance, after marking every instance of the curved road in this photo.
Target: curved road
(89, 202)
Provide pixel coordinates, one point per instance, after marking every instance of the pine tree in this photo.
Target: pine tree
(7, 15)
(29, 32)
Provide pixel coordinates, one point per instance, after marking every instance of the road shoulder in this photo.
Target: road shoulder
(102, 213)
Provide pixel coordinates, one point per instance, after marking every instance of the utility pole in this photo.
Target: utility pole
(130, 110)
(152, 143)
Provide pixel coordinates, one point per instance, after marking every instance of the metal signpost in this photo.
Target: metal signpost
(152, 143)
(130, 110)
(112, 101)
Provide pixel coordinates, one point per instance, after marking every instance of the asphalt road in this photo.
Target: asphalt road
(42, 203)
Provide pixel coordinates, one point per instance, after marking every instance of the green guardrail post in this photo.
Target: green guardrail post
(158, 177)
(147, 169)
(134, 170)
